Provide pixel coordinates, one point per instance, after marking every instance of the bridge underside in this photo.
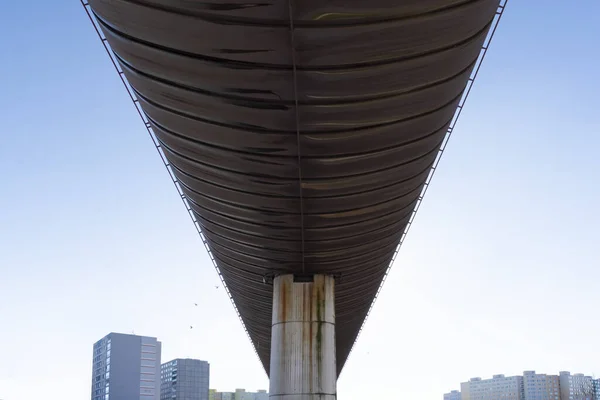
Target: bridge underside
(301, 146)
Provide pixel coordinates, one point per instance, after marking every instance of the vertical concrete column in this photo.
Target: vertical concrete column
(303, 339)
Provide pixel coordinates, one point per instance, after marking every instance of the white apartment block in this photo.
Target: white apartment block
(239, 394)
(453, 395)
(540, 386)
(530, 386)
(500, 387)
(576, 386)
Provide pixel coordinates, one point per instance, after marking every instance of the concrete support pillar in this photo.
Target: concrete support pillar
(303, 339)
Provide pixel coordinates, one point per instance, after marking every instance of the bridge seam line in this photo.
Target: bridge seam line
(295, 78)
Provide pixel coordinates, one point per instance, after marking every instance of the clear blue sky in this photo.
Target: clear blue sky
(499, 274)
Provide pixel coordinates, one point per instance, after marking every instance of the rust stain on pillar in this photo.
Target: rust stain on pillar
(319, 339)
(308, 339)
(303, 339)
(283, 296)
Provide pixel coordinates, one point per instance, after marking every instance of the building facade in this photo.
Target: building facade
(499, 387)
(239, 394)
(126, 367)
(576, 386)
(453, 395)
(185, 379)
(530, 386)
(541, 386)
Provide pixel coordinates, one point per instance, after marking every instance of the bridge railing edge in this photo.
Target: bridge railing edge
(160, 151)
(495, 22)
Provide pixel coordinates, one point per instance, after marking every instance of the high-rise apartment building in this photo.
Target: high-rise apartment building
(453, 395)
(540, 386)
(126, 367)
(185, 379)
(530, 386)
(500, 387)
(223, 396)
(239, 394)
(596, 385)
(261, 395)
(576, 386)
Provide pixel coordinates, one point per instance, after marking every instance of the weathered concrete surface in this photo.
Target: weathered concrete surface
(303, 365)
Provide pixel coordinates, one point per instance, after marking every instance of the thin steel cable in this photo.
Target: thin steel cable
(459, 108)
(295, 77)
